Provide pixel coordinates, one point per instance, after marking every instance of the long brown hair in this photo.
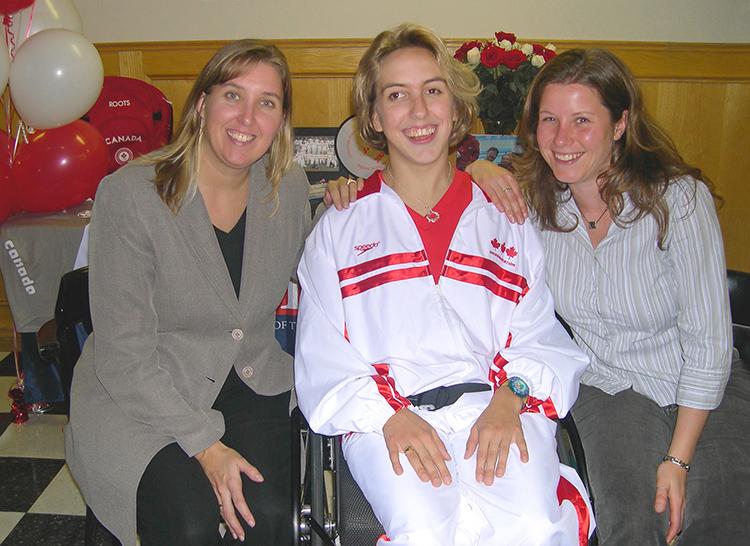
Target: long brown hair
(176, 164)
(644, 160)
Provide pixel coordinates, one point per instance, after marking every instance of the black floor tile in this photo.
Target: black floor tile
(8, 366)
(23, 479)
(48, 530)
(4, 421)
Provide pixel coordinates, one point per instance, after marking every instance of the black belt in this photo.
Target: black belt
(440, 397)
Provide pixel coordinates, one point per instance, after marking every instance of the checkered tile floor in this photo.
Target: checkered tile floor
(40, 504)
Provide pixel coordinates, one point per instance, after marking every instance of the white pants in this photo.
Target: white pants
(541, 502)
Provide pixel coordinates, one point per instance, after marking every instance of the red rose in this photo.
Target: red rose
(492, 56)
(538, 49)
(461, 52)
(513, 58)
(548, 54)
(500, 36)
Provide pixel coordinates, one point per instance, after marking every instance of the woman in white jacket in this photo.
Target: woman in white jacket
(426, 329)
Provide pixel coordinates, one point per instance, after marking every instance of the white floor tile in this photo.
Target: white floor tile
(61, 497)
(41, 436)
(5, 383)
(8, 520)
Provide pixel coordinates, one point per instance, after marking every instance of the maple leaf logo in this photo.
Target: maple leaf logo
(495, 244)
(511, 251)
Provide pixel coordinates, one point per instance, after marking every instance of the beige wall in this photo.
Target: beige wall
(721, 21)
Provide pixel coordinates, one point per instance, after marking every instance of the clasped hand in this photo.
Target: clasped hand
(490, 437)
(224, 467)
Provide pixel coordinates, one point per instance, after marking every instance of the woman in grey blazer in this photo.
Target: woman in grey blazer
(179, 405)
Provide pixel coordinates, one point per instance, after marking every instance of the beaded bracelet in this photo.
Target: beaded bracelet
(674, 460)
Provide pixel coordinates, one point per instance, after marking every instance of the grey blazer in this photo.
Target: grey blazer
(169, 327)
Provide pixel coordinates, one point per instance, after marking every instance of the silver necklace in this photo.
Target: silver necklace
(592, 225)
(431, 215)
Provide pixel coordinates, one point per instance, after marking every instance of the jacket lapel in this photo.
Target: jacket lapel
(257, 233)
(198, 232)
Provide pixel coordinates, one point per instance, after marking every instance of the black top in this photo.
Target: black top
(232, 246)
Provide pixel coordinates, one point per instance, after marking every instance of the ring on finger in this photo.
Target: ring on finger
(350, 180)
(407, 449)
(507, 189)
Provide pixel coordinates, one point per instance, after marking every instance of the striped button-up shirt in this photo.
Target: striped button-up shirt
(654, 320)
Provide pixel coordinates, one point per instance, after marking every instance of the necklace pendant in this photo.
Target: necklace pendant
(592, 225)
(432, 216)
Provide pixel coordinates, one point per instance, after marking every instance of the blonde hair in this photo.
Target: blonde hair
(176, 164)
(461, 81)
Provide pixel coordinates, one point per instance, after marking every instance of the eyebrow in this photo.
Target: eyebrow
(264, 93)
(431, 80)
(588, 113)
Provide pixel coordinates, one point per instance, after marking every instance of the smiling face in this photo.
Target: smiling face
(576, 134)
(413, 107)
(241, 118)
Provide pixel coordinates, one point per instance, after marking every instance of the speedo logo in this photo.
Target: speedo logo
(26, 281)
(361, 249)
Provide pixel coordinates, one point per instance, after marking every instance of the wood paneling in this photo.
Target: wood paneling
(700, 93)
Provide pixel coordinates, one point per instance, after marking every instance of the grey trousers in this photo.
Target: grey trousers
(626, 435)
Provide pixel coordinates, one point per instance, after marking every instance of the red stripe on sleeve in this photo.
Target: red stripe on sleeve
(384, 278)
(566, 491)
(383, 261)
(488, 265)
(482, 280)
(387, 387)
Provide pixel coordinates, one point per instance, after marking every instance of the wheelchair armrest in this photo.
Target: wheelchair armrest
(46, 339)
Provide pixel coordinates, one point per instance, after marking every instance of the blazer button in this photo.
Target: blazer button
(247, 372)
(237, 334)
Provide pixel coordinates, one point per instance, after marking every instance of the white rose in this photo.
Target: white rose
(472, 56)
(551, 47)
(505, 44)
(537, 61)
(527, 49)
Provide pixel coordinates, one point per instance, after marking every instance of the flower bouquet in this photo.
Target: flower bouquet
(505, 68)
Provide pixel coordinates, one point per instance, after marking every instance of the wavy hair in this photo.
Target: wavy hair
(460, 80)
(644, 160)
(176, 164)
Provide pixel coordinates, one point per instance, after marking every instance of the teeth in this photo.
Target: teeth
(241, 137)
(568, 157)
(424, 131)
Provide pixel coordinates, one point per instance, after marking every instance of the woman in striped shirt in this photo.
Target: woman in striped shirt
(635, 262)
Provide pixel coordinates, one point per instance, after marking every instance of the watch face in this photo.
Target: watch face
(357, 157)
(518, 386)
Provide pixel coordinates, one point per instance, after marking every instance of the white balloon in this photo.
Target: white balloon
(4, 66)
(46, 14)
(55, 78)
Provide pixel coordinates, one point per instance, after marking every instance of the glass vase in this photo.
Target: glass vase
(499, 126)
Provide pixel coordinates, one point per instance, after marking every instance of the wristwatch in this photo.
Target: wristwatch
(519, 387)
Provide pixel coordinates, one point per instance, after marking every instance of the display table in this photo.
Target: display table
(37, 249)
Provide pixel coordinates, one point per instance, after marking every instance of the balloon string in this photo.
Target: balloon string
(10, 37)
(31, 18)
(15, 351)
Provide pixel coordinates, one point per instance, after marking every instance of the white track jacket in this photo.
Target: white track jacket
(374, 327)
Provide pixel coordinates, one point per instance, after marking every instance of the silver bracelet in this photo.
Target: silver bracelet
(674, 460)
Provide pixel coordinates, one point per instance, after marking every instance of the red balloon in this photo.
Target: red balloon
(12, 6)
(59, 168)
(6, 195)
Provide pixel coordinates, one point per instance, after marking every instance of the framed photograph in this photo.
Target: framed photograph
(315, 151)
(496, 148)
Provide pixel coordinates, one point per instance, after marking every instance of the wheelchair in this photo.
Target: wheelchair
(329, 507)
